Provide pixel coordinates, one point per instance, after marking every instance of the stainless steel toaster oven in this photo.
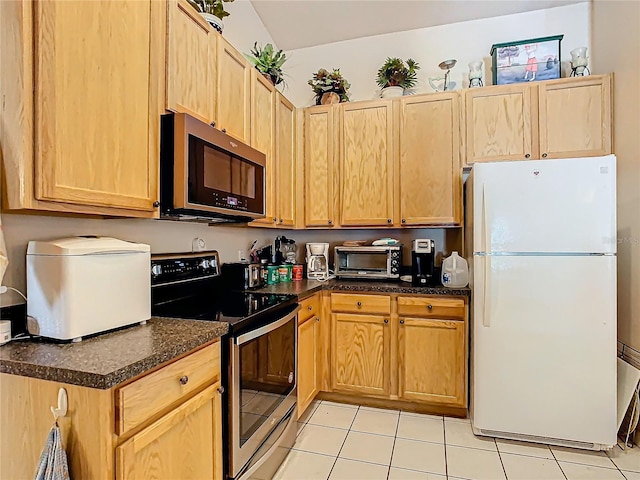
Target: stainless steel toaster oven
(378, 262)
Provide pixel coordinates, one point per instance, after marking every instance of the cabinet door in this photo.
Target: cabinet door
(186, 443)
(575, 117)
(366, 164)
(191, 62)
(308, 377)
(97, 102)
(319, 141)
(429, 168)
(233, 85)
(499, 123)
(432, 361)
(360, 349)
(285, 161)
(263, 138)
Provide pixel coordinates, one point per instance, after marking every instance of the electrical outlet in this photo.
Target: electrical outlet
(242, 256)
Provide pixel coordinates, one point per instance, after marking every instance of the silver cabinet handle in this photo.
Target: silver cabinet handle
(430, 307)
(184, 380)
(401, 322)
(220, 390)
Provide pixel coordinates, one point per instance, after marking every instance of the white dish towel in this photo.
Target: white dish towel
(53, 460)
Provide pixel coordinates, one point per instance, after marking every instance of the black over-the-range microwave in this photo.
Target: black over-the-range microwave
(208, 175)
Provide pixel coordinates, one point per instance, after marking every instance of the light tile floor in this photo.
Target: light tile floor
(346, 442)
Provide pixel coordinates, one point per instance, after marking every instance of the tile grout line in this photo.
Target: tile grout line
(393, 447)
(557, 462)
(500, 457)
(343, 442)
(444, 441)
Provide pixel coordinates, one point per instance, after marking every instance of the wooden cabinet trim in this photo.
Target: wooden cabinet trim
(360, 303)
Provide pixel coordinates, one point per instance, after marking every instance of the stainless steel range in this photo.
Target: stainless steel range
(259, 357)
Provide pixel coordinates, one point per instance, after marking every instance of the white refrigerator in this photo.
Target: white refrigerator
(541, 244)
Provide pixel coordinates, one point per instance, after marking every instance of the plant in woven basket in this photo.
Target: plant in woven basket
(268, 62)
(325, 82)
(395, 73)
(212, 7)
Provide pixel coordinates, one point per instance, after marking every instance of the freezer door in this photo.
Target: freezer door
(565, 205)
(544, 347)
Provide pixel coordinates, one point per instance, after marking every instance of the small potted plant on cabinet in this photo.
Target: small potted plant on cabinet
(212, 11)
(329, 87)
(268, 62)
(394, 76)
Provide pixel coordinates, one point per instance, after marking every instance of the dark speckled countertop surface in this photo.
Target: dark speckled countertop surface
(306, 288)
(106, 360)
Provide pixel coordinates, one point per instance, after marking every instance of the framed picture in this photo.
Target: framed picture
(526, 60)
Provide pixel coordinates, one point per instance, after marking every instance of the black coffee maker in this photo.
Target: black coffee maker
(423, 256)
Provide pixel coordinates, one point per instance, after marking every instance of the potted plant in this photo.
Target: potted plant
(394, 76)
(268, 62)
(329, 87)
(212, 11)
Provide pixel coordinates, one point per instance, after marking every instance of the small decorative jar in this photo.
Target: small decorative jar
(475, 74)
(579, 62)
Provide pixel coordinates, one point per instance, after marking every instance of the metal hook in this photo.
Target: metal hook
(61, 411)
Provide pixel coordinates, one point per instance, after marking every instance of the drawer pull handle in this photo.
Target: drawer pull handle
(310, 307)
(359, 304)
(430, 307)
(401, 322)
(184, 380)
(544, 155)
(220, 390)
(317, 319)
(386, 320)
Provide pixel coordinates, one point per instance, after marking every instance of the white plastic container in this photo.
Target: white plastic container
(85, 285)
(455, 271)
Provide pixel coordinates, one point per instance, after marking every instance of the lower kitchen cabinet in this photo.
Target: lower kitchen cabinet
(308, 382)
(432, 360)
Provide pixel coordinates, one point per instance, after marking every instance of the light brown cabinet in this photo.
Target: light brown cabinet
(429, 170)
(191, 62)
(320, 141)
(81, 87)
(285, 160)
(562, 118)
(309, 354)
(233, 110)
(366, 155)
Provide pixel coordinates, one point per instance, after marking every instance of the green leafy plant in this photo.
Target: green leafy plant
(213, 7)
(324, 81)
(267, 61)
(394, 73)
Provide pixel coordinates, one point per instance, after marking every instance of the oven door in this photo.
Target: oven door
(263, 386)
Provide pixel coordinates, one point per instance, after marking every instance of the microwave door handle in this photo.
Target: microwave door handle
(247, 337)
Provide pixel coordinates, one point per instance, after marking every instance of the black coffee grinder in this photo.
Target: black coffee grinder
(423, 256)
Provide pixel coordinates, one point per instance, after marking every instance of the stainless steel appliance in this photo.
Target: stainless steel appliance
(242, 275)
(258, 356)
(208, 175)
(317, 261)
(423, 255)
(368, 261)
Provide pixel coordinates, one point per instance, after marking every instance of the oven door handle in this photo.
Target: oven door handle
(247, 337)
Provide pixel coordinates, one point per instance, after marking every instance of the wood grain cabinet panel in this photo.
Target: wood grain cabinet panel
(366, 164)
(285, 161)
(308, 378)
(319, 148)
(233, 92)
(499, 123)
(191, 62)
(360, 303)
(97, 102)
(575, 117)
(432, 307)
(361, 353)
(429, 164)
(183, 444)
(432, 357)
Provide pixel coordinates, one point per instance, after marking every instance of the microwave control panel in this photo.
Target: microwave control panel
(228, 201)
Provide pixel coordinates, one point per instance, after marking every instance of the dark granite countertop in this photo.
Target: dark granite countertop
(106, 360)
(306, 288)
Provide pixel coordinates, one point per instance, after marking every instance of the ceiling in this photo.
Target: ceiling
(304, 23)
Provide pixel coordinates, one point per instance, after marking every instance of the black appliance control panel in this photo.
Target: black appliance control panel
(396, 261)
(182, 267)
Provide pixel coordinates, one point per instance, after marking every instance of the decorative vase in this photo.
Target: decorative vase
(475, 74)
(392, 92)
(579, 62)
(214, 21)
(329, 98)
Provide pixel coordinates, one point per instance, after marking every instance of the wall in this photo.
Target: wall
(360, 59)
(243, 26)
(616, 48)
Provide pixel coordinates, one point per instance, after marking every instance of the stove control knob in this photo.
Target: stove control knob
(156, 270)
(204, 264)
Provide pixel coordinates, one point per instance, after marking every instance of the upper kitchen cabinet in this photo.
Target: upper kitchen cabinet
(233, 92)
(81, 105)
(499, 123)
(575, 117)
(366, 164)
(285, 162)
(191, 62)
(429, 171)
(319, 147)
(263, 128)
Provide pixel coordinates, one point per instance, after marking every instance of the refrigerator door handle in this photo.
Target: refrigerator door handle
(485, 222)
(486, 310)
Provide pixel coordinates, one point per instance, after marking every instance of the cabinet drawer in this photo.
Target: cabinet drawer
(347, 302)
(309, 307)
(145, 397)
(431, 307)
